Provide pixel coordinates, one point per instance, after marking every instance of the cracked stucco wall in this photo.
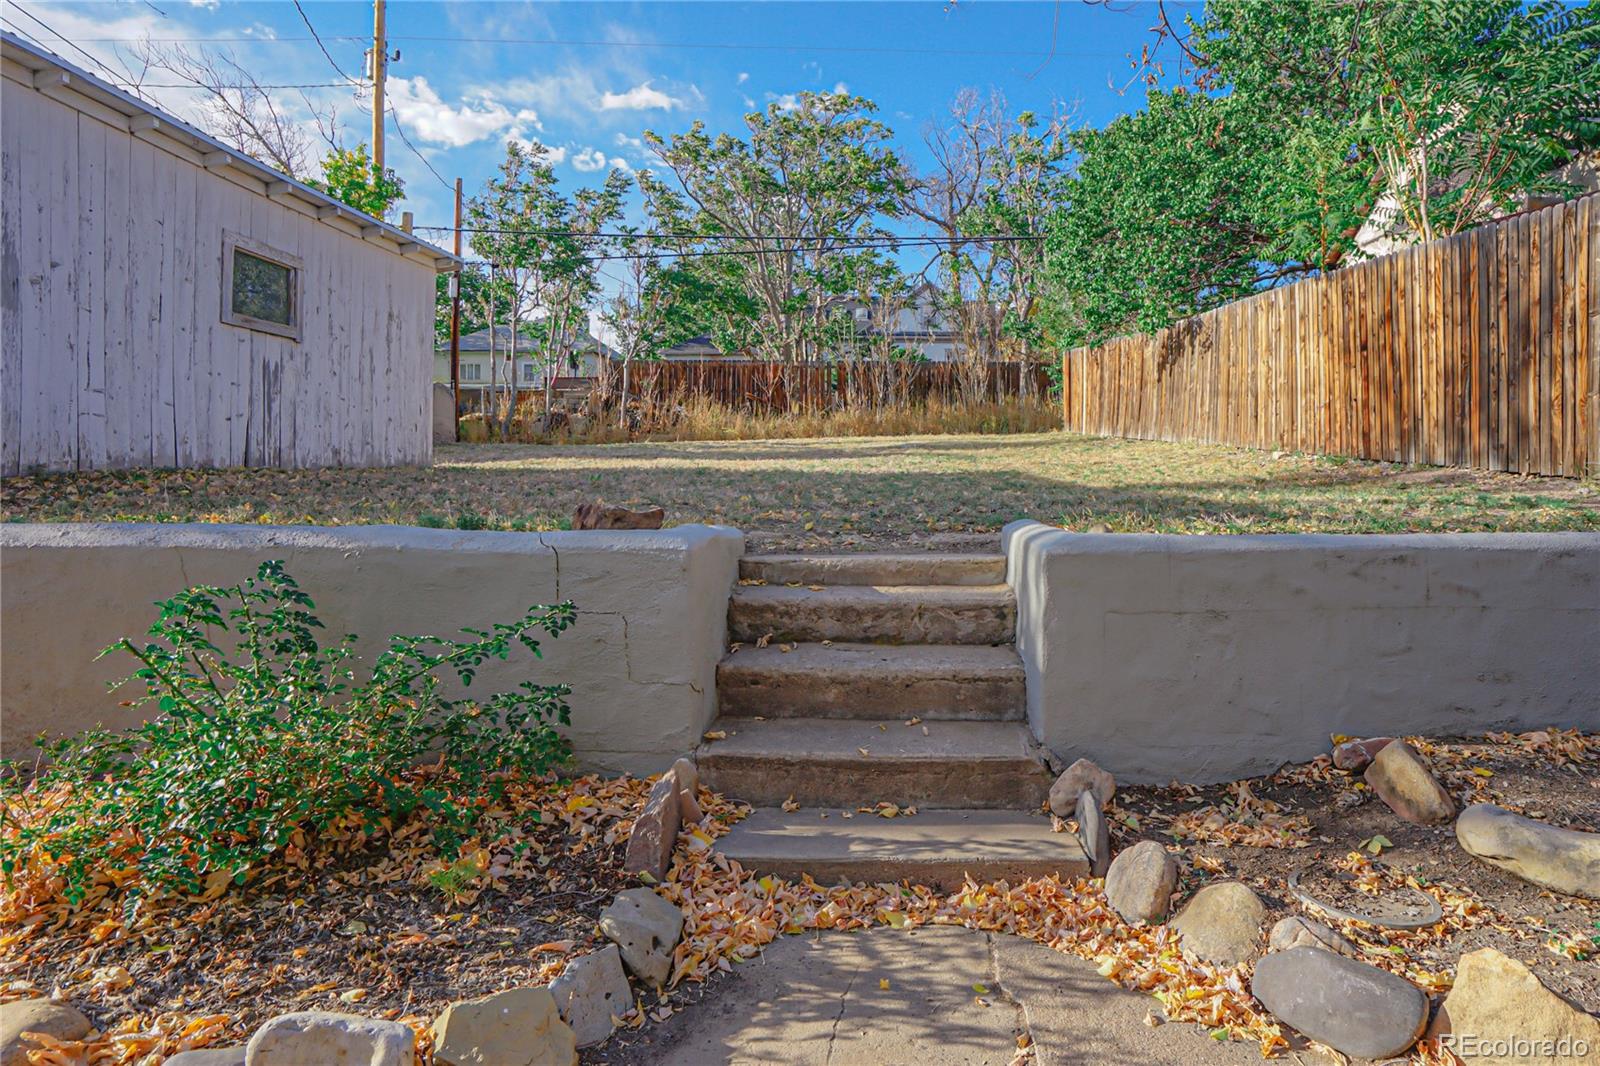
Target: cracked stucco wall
(652, 614)
(1210, 658)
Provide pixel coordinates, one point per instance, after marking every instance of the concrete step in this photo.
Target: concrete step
(875, 568)
(854, 762)
(929, 681)
(890, 614)
(934, 848)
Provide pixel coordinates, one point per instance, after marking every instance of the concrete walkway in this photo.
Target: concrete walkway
(892, 997)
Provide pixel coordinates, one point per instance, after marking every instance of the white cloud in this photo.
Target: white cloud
(209, 5)
(641, 97)
(589, 160)
(619, 163)
(785, 102)
(749, 103)
(744, 76)
(432, 120)
(841, 87)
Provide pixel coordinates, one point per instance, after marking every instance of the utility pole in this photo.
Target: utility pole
(455, 320)
(380, 68)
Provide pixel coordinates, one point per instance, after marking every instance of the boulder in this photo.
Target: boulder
(590, 992)
(1221, 924)
(1357, 755)
(1403, 781)
(596, 515)
(1562, 860)
(646, 928)
(1093, 833)
(1298, 932)
(1073, 780)
(1140, 881)
(655, 830)
(688, 775)
(517, 1027)
(1499, 1010)
(47, 1016)
(1354, 1008)
(211, 1056)
(335, 1039)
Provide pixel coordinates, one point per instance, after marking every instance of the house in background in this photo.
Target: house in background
(172, 302)
(477, 376)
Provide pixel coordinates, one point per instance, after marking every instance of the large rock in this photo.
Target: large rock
(1357, 755)
(1140, 882)
(597, 515)
(517, 1027)
(1499, 1011)
(1352, 1007)
(1403, 781)
(590, 992)
(1298, 932)
(1221, 924)
(688, 775)
(1093, 833)
(655, 830)
(330, 1039)
(211, 1056)
(1562, 860)
(47, 1016)
(646, 928)
(1081, 775)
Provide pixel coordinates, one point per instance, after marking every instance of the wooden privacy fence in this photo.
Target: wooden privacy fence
(768, 386)
(1477, 350)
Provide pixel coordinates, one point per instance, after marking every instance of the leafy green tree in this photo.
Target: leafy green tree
(1297, 124)
(348, 175)
(781, 208)
(476, 302)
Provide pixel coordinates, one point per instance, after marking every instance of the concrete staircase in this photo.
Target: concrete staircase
(884, 678)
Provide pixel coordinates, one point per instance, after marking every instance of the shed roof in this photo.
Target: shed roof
(27, 64)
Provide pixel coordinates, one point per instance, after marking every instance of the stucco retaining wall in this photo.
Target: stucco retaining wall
(641, 660)
(1207, 658)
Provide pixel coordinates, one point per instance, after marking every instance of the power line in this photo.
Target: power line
(598, 234)
(401, 130)
(326, 54)
(99, 64)
(578, 43)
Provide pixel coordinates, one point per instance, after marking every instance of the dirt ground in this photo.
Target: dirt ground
(844, 494)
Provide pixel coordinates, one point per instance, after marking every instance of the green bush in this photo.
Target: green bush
(264, 731)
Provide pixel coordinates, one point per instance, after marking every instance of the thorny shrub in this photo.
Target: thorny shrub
(264, 731)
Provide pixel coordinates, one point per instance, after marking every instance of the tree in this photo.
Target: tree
(539, 247)
(477, 306)
(348, 175)
(779, 210)
(640, 315)
(1296, 121)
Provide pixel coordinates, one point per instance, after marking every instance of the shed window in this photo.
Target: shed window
(261, 288)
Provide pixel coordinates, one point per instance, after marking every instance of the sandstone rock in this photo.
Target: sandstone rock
(688, 775)
(332, 1039)
(48, 1016)
(1093, 833)
(1403, 781)
(517, 1027)
(1073, 780)
(596, 515)
(1498, 1009)
(655, 830)
(1140, 881)
(1221, 924)
(1298, 932)
(1562, 860)
(646, 928)
(590, 991)
(1357, 755)
(211, 1056)
(1352, 1007)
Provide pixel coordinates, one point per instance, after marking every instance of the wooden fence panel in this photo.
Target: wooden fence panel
(1477, 350)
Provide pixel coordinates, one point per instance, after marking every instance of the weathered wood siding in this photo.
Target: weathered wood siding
(115, 352)
(1478, 350)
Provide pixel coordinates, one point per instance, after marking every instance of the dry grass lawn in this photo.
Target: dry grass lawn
(844, 492)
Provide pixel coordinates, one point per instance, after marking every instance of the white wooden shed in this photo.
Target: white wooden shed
(169, 301)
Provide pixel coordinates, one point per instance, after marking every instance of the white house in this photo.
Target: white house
(476, 374)
(169, 301)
